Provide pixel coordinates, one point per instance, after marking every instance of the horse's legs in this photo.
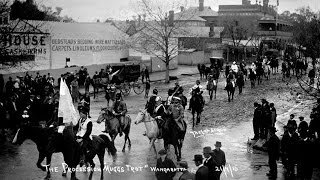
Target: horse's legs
(125, 142)
(101, 159)
(215, 93)
(48, 166)
(92, 165)
(193, 118)
(176, 151)
(40, 159)
(210, 94)
(129, 141)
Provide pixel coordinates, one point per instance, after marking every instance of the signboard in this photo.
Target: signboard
(93, 45)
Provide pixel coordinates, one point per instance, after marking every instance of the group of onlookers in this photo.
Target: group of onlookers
(299, 146)
(210, 165)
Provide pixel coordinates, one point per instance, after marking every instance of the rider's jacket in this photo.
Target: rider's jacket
(151, 103)
(159, 111)
(84, 130)
(195, 87)
(119, 107)
(178, 90)
(234, 67)
(177, 111)
(230, 76)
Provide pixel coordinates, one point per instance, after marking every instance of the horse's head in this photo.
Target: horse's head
(103, 115)
(141, 116)
(21, 135)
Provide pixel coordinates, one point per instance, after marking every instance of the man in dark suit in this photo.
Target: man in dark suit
(165, 162)
(210, 163)
(273, 145)
(256, 121)
(219, 156)
(186, 174)
(203, 171)
(292, 122)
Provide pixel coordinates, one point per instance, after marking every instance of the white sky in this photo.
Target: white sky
(91, 10)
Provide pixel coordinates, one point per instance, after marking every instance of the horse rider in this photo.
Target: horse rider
(254, 68)
(158, 114)
(151, 102)
(84, 128)
(119, 109)
(177, 90)
(230, 78)
(234, 67)
(198, 90)
(177, 112)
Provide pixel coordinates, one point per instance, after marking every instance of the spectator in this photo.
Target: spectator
(164, 162)
(273, 145)
(256, 121)
(311, 76)
(210, 163)
(85, 101)
(147, 89)
(292, 122)
(273, 114)
(82, 76)
(75, 90)
(87, 84)
(305, 157)
(9, 86)
(203, 171)
(143, 73)
(303, 127)
(146, 73)
(219, 156)
(186, 175)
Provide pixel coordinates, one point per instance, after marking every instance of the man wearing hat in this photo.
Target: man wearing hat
(186, 175)
(177, 90)
(303, 127)
(84, 128)
(198, 90)
(164, 163)
(266, 117)
(273, 145)
(158, 114)
(209, 162)
(219, 156)
(203, 171)
(292, 122)
(177, 111)
(119, 108)
(151, 102)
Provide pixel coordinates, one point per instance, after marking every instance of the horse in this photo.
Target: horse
(196, 107)
(212, 86)
(171, 135)
(42, 137)
(112, 121)
(230, 90)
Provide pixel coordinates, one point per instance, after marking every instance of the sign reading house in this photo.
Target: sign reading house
(92, 45)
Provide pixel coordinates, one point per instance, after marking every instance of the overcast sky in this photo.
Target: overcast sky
(91, 10)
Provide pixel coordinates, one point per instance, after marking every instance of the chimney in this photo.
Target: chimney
(201, 7)
(181, 8)
(171, 18)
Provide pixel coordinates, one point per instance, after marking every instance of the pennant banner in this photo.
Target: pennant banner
(66, 108)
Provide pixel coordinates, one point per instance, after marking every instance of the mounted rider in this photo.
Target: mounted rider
(119, 109)
(198, 90)
(84, 129)
(150, 106)
(230, 78)
(177, 90)
(253, 68)
(158, 114)
(234, 67)
(177, 112)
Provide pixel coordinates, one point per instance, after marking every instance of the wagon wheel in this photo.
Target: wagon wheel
(126, 89)
(138, 88)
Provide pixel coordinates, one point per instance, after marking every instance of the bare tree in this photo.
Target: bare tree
(158, 33)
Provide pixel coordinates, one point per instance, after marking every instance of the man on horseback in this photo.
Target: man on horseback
(177, 111)
(230, 78)
(150, 106)
(158, 114)
(177, 90)
(198, 89)
(119, 108)
(84, 129)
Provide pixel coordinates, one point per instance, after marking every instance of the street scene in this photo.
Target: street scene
(197, 90)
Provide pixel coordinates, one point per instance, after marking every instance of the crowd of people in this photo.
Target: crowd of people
(299, 145)
(210, 165)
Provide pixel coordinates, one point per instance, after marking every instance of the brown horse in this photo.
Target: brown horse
(113, 123)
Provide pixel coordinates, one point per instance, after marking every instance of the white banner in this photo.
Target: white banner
(66, 108)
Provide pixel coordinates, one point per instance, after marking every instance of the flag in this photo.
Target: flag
(66, 108)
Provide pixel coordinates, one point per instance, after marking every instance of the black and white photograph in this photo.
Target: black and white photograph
(160, 89)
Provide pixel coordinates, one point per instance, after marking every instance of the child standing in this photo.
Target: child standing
(147, 88)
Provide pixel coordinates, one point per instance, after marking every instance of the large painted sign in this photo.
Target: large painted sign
(93, 45)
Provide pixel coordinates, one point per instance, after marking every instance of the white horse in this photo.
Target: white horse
(151, 126)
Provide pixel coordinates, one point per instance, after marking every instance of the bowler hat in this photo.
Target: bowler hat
(207, 149)
(162, 152)
(83, 109)
(183, 164)
(218, 143)
(198, 157)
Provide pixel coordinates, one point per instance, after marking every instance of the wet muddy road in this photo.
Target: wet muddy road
(230, 123)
